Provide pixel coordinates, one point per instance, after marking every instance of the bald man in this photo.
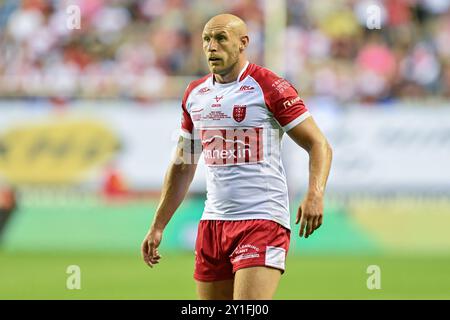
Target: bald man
(238, 114)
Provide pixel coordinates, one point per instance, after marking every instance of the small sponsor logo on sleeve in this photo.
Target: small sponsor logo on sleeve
(291, 102)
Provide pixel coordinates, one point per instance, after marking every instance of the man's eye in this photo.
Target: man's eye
(221, 38)
(206, 39)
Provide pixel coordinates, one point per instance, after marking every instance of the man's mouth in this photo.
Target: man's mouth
(214, 59)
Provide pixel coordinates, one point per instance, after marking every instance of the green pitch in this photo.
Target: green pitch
(119, 276)
(51, 232)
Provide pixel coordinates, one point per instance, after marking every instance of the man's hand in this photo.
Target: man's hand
(149, 248)
(310, 213)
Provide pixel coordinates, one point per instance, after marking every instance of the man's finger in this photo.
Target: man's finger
(150, 253)
(318, 222)
(314, 225)
(154, 249)
(150, 248)
(155, 258)
(299, 215)
(302, 226)
(144, 251)
(309, 227)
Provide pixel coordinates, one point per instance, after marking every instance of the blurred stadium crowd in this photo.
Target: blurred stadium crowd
(150, 49)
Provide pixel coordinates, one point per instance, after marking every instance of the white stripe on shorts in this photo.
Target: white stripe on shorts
(275, 257)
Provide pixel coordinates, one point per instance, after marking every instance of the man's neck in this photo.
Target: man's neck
(233, 74)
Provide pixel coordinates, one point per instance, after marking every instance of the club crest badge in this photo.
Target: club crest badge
(239, 112)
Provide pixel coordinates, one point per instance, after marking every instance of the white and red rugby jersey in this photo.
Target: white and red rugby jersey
(240, 125)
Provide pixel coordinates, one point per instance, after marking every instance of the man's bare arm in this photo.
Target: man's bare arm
(308, 136)
(177, 180)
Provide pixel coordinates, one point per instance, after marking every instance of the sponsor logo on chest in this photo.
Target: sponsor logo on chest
(246, 88)
(232, 146)
(203, 91)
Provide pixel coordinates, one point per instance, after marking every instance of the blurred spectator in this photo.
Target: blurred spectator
(114, 185)
(139, 49)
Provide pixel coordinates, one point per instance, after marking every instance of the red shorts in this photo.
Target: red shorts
(223, 247)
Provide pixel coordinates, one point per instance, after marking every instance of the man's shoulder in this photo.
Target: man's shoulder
(265, 77)
(194, 84)
(256, 69)
(271, 84)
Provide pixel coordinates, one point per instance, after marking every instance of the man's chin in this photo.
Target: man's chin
(215, 69)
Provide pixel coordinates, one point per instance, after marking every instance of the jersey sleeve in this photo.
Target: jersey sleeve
(282, 99)
(187, 126)
(286, 105)
(186, 121)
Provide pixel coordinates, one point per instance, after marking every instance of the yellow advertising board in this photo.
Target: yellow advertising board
(55, 151)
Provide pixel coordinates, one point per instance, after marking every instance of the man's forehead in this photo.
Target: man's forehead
(214, 30)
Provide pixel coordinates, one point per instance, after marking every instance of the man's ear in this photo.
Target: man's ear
(244, 43)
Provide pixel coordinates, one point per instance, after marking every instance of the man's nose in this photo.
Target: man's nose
(212, 45)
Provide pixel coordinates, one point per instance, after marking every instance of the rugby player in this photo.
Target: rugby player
(239, 113)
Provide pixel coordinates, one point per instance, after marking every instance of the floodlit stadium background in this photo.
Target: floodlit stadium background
(89, 119)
